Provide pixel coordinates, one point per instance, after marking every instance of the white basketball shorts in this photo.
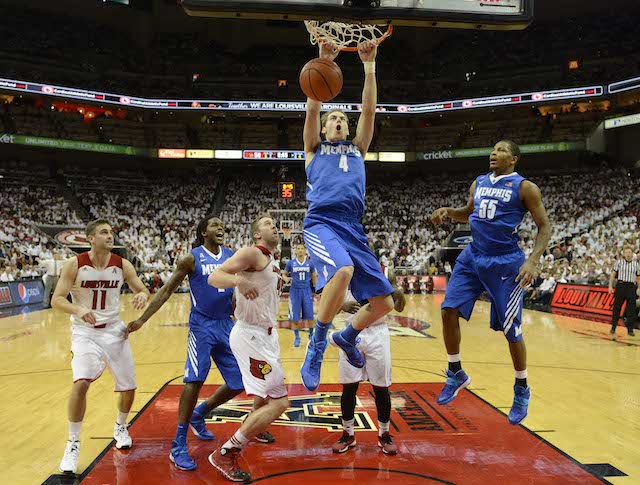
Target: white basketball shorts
(374, 345)
(258, 354)
(96, 349)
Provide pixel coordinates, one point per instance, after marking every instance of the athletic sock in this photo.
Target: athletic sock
(238, 440)
(455, 363)
(74, 431)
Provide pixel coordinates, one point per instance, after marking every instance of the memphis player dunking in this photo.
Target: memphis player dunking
(98, 334)
(497, 203)
(210, 325)
(333, 234)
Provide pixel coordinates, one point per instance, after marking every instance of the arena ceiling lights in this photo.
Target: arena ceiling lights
(295, 106)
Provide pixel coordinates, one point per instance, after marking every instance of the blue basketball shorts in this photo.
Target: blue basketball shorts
(209, 339)
(334, 244)
(300, 304)
(474, 273)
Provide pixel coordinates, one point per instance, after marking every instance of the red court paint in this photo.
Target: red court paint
(466, 442)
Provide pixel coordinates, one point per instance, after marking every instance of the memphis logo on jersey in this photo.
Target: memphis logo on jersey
(321, 410)
(207, 269)
(341, 149)
(504, 194)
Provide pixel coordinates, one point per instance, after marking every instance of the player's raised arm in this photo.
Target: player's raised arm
(184, 266)
(226, 275)
(311, 133)
(532, 200)
(366, 124)
(63, 288)
(460, 214)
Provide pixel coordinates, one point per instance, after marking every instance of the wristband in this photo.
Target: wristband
(369, 67)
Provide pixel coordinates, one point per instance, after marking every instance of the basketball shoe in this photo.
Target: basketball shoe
(226, 461)
(310, 370)
(179, 456)
(386, 444)
(345, 442)
(520, 407)
(350, 350)
(455, 383)
(199, 428)
(121, 435)
(265, 437)
(69, 463)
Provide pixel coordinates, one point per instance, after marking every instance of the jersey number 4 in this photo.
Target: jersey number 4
(487, 209)
(102, 296)
(344, 165)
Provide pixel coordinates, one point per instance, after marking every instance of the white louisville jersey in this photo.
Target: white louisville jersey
(98, 290)
(263, 310)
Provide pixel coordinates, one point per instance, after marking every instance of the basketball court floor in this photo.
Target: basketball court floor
(582, 427)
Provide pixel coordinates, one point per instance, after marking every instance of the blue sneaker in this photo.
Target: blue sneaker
(296, 341)
(520, 408)
(180, 457)
(353, 354)
(455, 383)
(310, 370)
(199, 428)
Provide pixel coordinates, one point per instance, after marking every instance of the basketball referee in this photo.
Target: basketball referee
(627, 272)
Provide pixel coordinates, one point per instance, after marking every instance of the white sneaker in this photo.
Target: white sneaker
(121, 435)
(69, 463)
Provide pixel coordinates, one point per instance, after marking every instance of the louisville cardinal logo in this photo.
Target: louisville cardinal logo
(259, 368)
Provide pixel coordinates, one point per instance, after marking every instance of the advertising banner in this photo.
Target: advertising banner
(6, 299)
(72, 145)
(584, 299)
(567, 146)
(27, 292)
(300, 106)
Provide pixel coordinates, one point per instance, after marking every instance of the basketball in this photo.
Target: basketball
(321, 79)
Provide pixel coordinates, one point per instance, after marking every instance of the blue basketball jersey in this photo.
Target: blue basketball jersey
(300, 273)
(497, 213)
(206, 300)
(336, 181)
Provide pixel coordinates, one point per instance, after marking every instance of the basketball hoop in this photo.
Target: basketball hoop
(286, 233)
(345, 36)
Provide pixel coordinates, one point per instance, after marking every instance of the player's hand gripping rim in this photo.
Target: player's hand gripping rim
(328, 50)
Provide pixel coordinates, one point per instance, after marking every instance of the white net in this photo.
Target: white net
(346, 36)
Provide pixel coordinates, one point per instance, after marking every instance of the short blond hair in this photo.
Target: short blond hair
(256, 223)
(325, 116)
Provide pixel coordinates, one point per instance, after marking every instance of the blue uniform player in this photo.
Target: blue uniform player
(210, 324)
(333, 234)
(301, 273)
(493, 262)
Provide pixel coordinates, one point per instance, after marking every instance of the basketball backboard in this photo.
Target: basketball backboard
(471, 14)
